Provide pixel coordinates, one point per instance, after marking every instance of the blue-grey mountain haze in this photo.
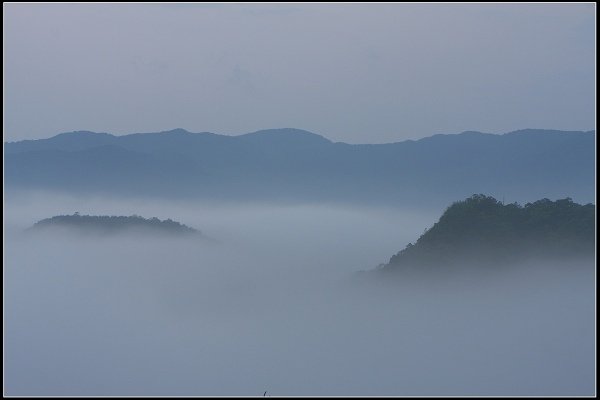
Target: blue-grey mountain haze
(291, 165)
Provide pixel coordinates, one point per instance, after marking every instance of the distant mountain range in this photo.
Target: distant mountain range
(284, 165)
(110, 225)
(481, 231)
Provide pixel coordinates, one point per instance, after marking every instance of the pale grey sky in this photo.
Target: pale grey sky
(358, 73)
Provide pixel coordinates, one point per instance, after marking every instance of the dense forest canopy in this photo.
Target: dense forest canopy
(483, 230)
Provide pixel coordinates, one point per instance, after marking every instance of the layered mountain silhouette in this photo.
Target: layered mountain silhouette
(296, 165)
(482, 231)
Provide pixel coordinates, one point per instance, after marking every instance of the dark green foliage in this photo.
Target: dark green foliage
(483, 230)
(114, 224)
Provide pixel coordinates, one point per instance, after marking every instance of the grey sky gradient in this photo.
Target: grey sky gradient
(359, 73)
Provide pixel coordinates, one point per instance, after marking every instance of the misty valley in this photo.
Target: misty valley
(223, 282)
(329, 199)
(334, 199)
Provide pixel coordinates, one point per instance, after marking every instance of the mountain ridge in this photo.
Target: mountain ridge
(275, 132)
(296, 165)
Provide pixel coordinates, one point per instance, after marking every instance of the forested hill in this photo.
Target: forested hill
(108, 225)
(481, 230)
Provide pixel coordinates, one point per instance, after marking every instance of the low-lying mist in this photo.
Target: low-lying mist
(273, 303)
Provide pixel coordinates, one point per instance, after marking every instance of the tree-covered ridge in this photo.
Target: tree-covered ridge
(105, 224)
(482, 229)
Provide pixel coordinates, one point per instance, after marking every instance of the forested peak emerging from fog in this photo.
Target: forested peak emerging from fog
(483, 230)
(104, 224)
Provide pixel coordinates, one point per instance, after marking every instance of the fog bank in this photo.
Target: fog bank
(273, 305)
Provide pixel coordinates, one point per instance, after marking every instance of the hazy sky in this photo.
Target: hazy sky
(359, 73)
